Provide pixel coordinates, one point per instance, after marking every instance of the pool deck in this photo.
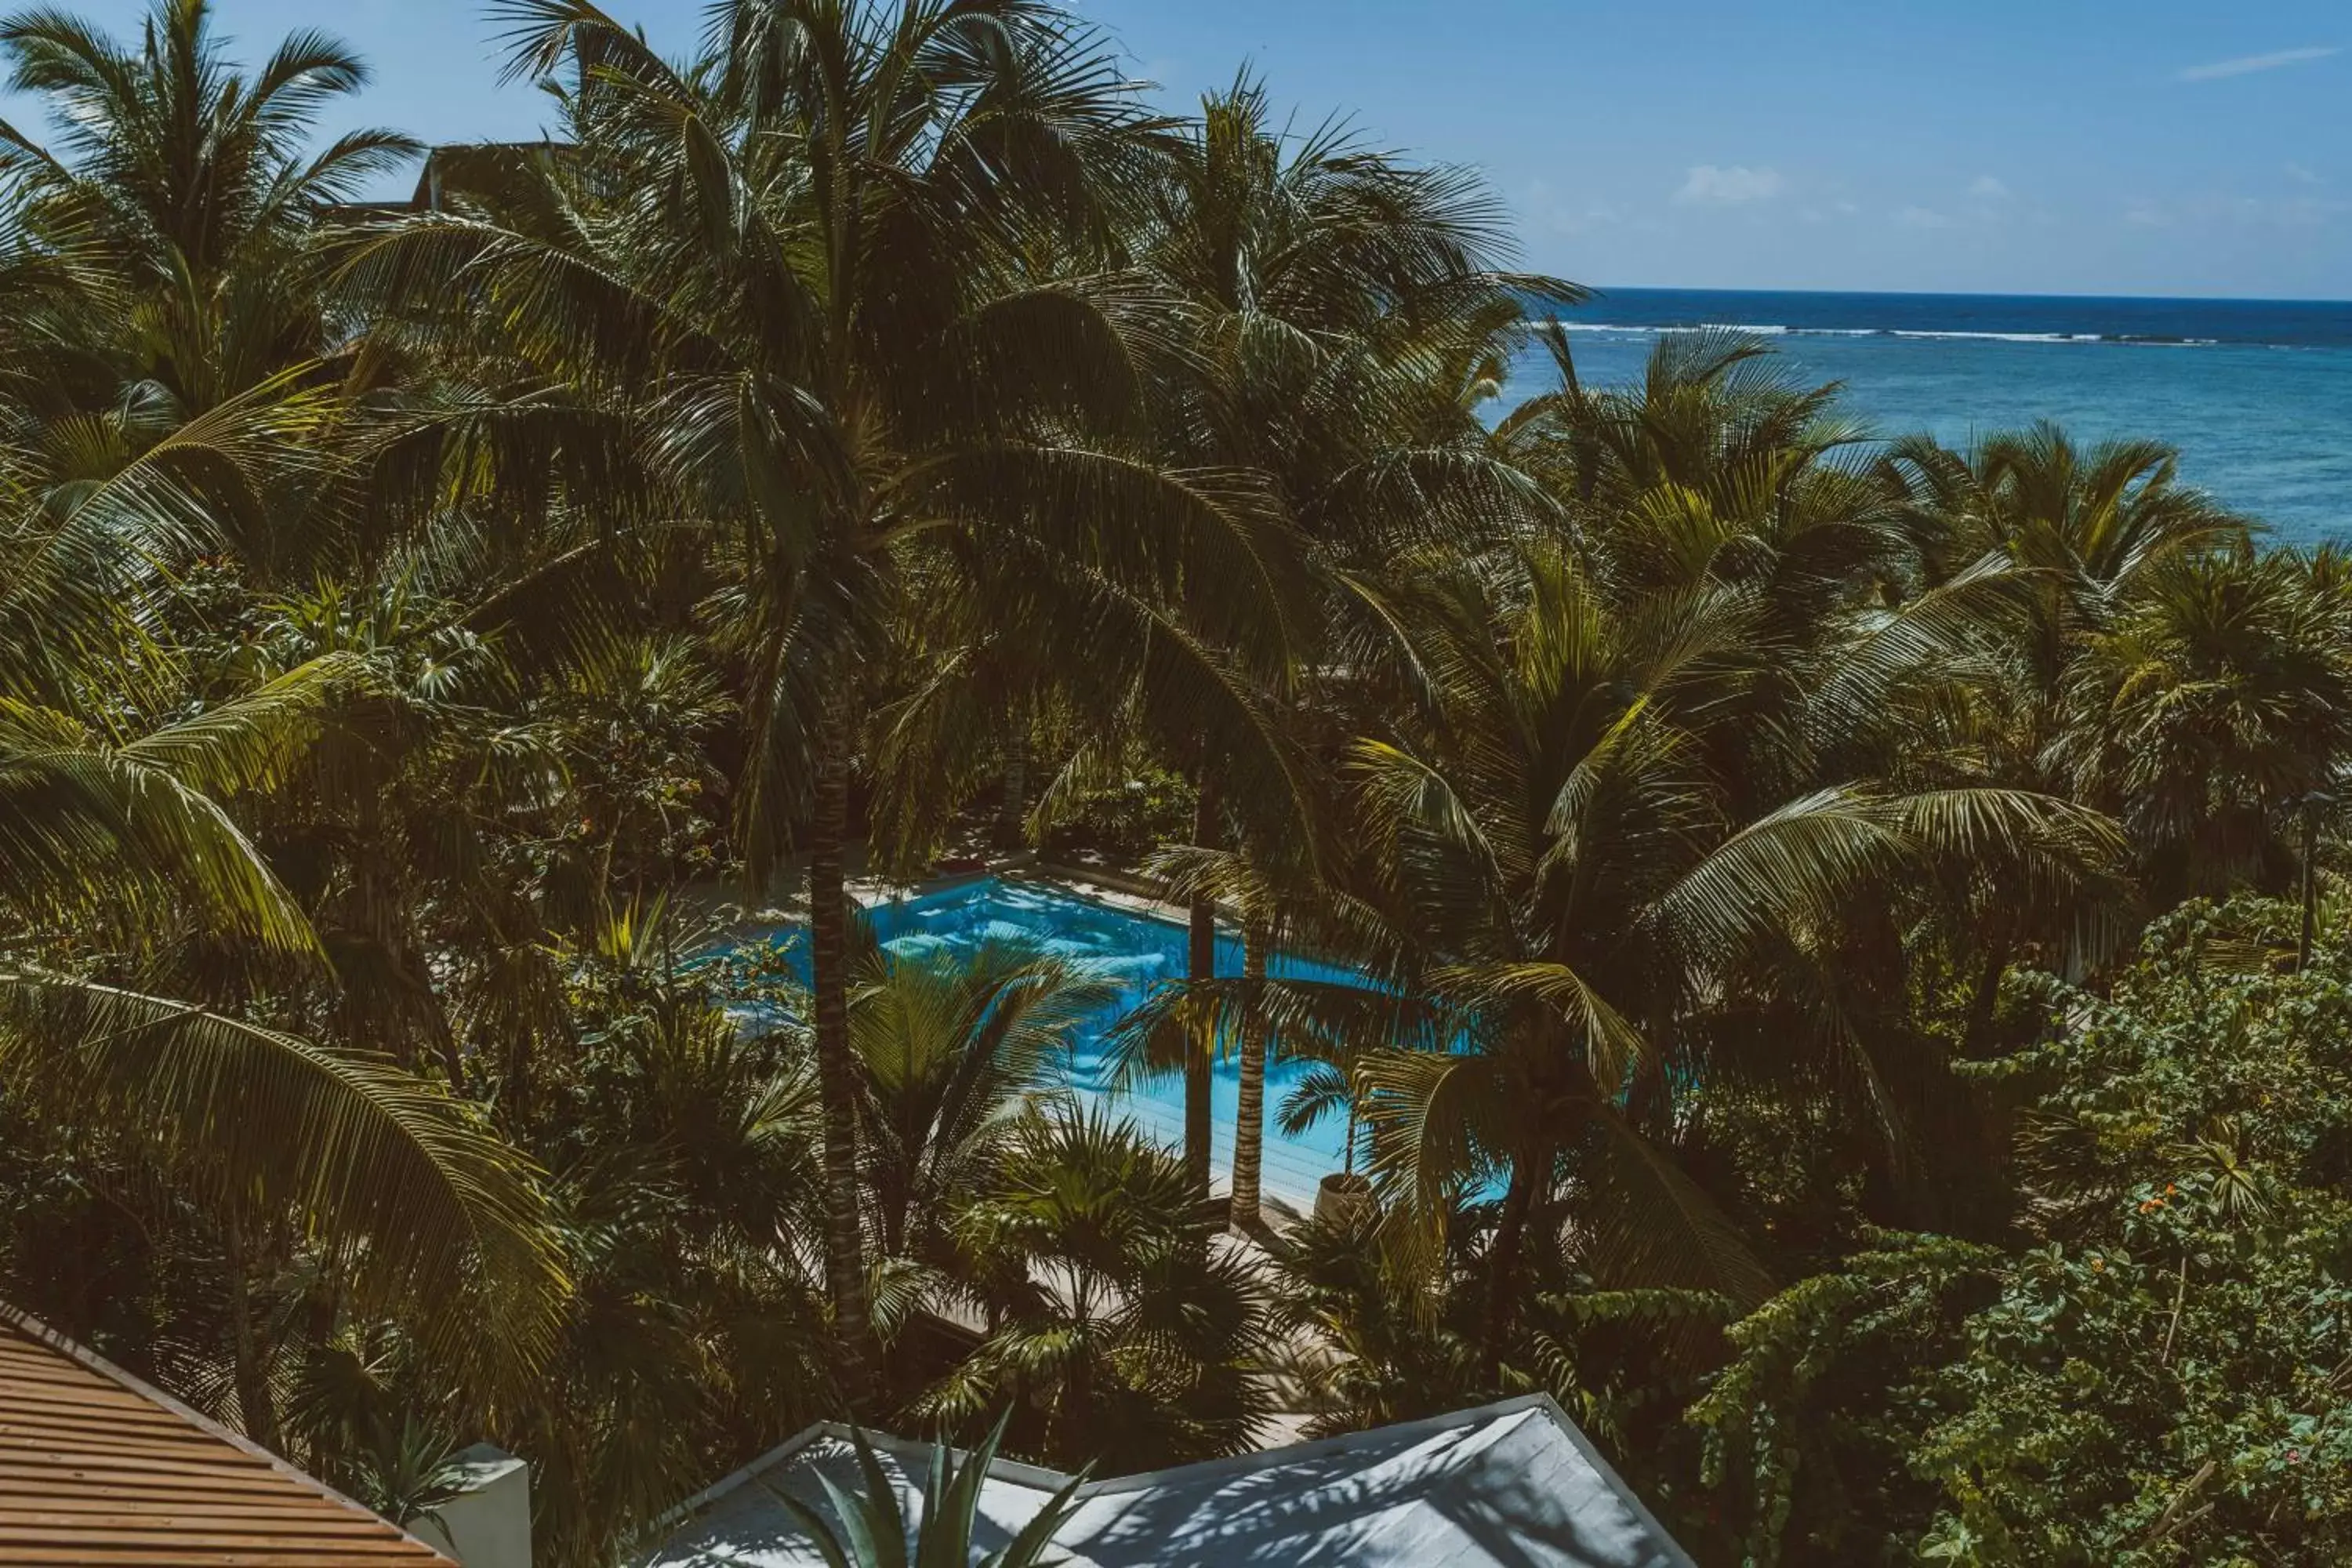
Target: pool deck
(1136, 895)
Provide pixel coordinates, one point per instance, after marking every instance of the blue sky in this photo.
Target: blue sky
(2073, 146)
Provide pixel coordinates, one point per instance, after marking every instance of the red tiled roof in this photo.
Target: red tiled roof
(98, 1470)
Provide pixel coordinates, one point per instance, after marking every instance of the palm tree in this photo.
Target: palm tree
(2211, 704)
(681, 1137)
(2081, 530)
(1885, 580)
(127, 839)
(2088, 524)
(1170, 1023)
(178, 167)
(1609, 916)
(1722, 463)
(833, 286)
(1320, 278)
(1133, 1340)
(951, 1052)
(172, 425)
(2092, 519)
(161, 237)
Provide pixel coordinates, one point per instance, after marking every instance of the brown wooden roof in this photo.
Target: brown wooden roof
(98, 1470)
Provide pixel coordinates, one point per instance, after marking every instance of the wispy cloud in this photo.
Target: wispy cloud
(2215, 210)
(1923, 218)
(1563, 214)
(2246, 65)
(1987, 188)
(1710, 186)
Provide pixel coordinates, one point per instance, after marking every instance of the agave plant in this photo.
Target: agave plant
(868, 1529)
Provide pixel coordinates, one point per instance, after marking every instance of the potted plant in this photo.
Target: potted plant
(1345, 1196)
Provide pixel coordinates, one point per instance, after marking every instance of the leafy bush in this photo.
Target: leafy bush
(2156, 1371)
(1122, 819)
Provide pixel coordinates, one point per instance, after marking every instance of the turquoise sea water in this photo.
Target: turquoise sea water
(2256, 394)
(1137, 950)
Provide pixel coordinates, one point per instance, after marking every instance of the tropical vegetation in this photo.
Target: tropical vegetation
(1849, 935)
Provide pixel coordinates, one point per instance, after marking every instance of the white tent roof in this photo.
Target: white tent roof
(1513, 1485)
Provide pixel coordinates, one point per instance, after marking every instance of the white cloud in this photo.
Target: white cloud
(1986, 188)
(1600, 215)
(1922, 218)
(2304, 175)
(1548, 205)
(2214, 210)
(2246, 65)
(1710, 186)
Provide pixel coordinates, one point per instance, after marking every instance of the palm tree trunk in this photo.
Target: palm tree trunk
(1503, 1263)
(1986, 998)
(256, 1409)
(1013, 810)
(2310, 883)
(1249, 1116)
(844, 1249)
(1201, 963)
(445, 1038)
(1073, 1411)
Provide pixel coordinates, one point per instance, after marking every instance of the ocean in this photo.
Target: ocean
(2257, 395)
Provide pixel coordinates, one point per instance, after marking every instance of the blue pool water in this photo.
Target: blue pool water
(2256, 394)
(1137, 950)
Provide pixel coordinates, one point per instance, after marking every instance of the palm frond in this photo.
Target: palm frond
(426, 1205)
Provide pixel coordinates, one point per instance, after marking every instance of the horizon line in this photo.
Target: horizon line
(1599, 289)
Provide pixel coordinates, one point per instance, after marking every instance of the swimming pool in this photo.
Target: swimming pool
(1137, 950)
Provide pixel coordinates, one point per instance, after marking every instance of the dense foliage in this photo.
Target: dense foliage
(1859, 1004)
(2152, 1366)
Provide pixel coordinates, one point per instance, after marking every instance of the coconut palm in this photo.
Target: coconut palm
(2086, 523)
(1609, 916)
(163, 973)
(1723, 466)
(682, 1138)
(171, 426)
(952, 1050)
(163, 231)
(128, 838)
(834, 283)
(2211, 704)
(2092, 518)
(178, 166)
(1321, 280)
(1173, 1021)
(2081, 530)
(1722, 463)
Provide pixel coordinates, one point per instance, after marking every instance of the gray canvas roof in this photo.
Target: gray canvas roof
(1513, 1485)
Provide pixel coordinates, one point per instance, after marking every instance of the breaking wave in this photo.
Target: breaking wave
(1779, 330)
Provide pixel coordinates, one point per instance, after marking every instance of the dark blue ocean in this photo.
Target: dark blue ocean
(2257, 395)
